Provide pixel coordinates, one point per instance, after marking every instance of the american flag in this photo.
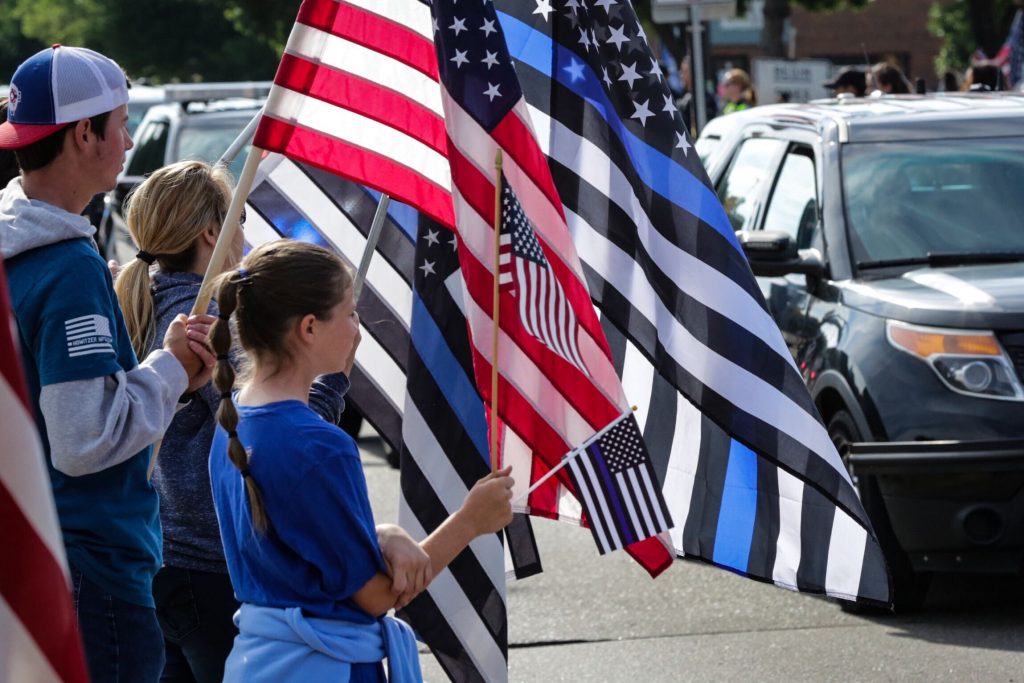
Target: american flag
(546, 404)
(524, 272)
(38, 630)
(617, 487)
(749, 472)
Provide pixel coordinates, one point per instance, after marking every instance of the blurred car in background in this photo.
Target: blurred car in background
(193, 121)
(887, 235)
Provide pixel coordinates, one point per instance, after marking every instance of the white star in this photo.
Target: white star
(670, 106)
(606, 4)
(492, 92)
(573, 5)
(488, 27)
(544, 7)
(431, 237)
(436, 27)
(640, 32)
(584, 38)
(459, 58)
(618, 36)
(454, 241)
(491, 59)
(575, 70)
(683, 144)
(629, 74)
(606, 79)
(642, 112)
(459, 26)
(655, 68)
(427, 268)
(593, 39)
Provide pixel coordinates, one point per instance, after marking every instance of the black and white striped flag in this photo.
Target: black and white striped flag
(749, 472)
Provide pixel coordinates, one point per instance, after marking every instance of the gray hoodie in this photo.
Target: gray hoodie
(91, 424)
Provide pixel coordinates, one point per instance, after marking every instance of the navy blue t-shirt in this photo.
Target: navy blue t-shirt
(71, 328)
(320, 547)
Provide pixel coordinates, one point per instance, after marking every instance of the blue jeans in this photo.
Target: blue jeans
(195, 611)
(123, 643)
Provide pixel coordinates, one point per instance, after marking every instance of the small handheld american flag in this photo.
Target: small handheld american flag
(524, 271)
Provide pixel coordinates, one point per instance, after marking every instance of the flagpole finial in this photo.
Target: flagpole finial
(497, 159)
(634, 408)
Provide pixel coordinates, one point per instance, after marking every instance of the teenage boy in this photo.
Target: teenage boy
(97, 409)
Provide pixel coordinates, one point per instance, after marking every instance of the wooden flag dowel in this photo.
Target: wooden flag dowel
(495, 311)
(228, 230)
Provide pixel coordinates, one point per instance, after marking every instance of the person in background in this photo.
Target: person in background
(738, 91)
(175, 218)
(849, 81)
(950, 82)
(97, 408)
(984, 77)
(685, 103)
(888, 79)
(289, 490)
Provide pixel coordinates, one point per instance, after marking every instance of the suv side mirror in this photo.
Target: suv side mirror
(773, 253)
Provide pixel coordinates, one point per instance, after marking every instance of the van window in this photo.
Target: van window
(741, 187)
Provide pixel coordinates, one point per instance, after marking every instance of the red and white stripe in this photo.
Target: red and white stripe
(356, 94)
(38, 631)
(548, 402)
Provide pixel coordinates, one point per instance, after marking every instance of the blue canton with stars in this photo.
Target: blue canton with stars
(603, 45)
(513, 221)
(473, 59)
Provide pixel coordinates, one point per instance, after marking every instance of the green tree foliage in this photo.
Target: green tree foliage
(966, 25)
(161, 40)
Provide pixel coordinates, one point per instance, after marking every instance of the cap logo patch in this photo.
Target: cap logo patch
(13, 98)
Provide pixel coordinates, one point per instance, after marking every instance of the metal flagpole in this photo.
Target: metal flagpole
(495, 311)
(243, 137)
(572, 454)
(371, 244)
(697, 69)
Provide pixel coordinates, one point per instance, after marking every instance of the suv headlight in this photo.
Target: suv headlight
(968, 362)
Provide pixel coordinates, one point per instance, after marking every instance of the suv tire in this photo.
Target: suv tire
(909, 588)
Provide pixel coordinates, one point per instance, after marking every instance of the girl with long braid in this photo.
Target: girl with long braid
(174, 217)
(289, 489)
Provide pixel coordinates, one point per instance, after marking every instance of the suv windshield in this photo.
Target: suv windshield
(208, 141)
(934, 201)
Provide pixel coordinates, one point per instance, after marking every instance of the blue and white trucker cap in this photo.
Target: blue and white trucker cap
(58, 86)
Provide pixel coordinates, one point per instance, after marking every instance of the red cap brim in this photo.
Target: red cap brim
(18, 135)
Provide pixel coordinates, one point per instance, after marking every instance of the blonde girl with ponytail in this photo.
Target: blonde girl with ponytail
(301, 545)
(175, 217)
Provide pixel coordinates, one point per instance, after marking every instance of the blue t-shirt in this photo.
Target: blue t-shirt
(320, 547)
(70, 327)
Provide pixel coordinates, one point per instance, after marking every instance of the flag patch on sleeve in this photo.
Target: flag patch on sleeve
(88, 335)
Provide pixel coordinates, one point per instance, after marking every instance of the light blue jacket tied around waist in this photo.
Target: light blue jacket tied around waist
(277, 644)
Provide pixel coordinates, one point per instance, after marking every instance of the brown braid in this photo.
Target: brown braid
(224, 380)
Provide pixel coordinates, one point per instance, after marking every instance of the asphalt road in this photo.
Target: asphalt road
(592, 618)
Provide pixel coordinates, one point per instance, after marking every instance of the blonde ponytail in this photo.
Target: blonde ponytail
(166, 215)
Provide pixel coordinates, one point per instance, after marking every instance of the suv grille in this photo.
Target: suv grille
(1013, 342)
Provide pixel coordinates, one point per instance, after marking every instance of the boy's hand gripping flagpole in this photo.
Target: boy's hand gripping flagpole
(496, 309)
(572, 454)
